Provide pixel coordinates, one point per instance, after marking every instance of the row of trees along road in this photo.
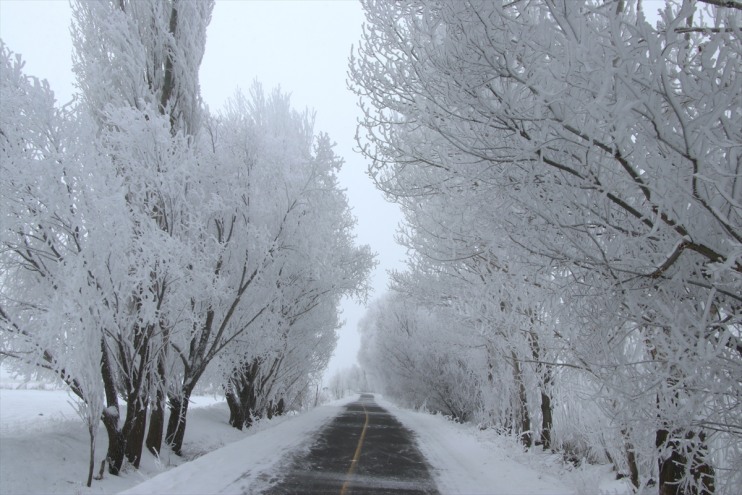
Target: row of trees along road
(149, 245)
(571, 179)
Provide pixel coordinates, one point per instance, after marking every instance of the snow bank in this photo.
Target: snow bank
(245, 466)
(44, 444)
(466, 460)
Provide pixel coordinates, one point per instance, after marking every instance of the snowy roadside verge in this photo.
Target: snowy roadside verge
(43, 449)
(245, 466)
(466, 460)
(44, 445)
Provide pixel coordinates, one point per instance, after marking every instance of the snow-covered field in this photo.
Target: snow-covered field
(43, 449)
(44, 445)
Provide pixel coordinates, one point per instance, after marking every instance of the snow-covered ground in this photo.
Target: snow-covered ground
(43, 449)
(470, 461)
(44, 444)
(247, 466)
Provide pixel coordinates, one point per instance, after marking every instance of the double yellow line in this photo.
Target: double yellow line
(356, 456)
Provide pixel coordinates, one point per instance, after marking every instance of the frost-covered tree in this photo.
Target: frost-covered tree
(598, 156)
(281, 246)
(137, 69)
(146, 242)
(410, 356)
(350, 380)
(60, 238)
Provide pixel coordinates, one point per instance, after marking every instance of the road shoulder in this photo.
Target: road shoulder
(464, 464)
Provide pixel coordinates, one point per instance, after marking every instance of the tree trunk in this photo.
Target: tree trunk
(91, 468)
(250, 414)
(702, 472)
(248, 400)
(116, 442)
(156, 425)
(507, 424)
(134, 430)
(680, 444)
(524, 418)
(236, 413)
(672, 467)
(546, 420)
(137, 379)
(157, 417)
(177, 422)
(631, 459)
(544, 373)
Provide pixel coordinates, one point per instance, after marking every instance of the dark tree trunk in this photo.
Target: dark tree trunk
(241, 395)
(630, 458)
(546, 420)
(248, 393)
(680, 444)
(116, 442)
(138, 377)
(156, 425)
(177, 422)
(703, 473)
(91, 467)
(157, 417)
(524, 418)
(544, 372)
(134, 430)
(672, 467)
(236, 413)
(248, 402)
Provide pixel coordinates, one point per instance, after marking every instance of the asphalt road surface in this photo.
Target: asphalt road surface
(364, 450)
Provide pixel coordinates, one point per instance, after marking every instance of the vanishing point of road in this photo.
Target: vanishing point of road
(363, 451)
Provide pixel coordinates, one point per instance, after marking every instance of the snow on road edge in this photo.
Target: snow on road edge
(246, 465)
(467, 461)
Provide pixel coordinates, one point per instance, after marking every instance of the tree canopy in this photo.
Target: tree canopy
(148, 243)
(570, 177)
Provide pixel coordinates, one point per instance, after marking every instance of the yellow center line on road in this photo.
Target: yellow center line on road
(356, 456)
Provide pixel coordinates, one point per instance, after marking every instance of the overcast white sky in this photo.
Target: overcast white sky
(301, 45)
